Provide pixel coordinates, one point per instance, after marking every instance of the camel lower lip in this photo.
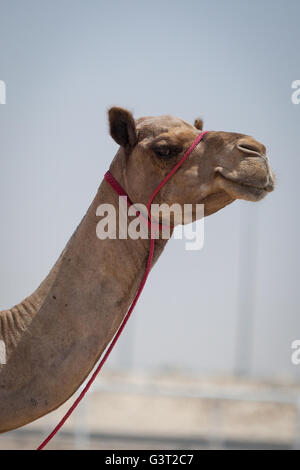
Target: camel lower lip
(253, 189)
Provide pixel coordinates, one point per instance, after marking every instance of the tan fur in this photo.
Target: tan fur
(55, 337)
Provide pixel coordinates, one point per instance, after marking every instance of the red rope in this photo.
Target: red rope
(118, 188)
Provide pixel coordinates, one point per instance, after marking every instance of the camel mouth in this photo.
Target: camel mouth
(242, 189)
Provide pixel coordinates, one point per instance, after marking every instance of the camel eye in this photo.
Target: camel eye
(166, 150)
(163, 151)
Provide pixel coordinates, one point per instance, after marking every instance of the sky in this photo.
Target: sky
(232, 306)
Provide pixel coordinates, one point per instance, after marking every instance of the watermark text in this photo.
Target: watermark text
(2, 352)
(2, 92)
(135, 223)
(295, 357)
(296, 94)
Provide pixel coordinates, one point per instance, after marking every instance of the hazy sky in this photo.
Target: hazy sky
(64, 63)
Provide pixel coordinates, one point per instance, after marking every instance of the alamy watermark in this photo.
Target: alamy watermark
(2, 352)
(163, 218)
(2, 92)
(296, 94)
(295, 357)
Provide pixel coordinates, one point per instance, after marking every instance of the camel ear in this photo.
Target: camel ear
(122, 127)
(198, 124)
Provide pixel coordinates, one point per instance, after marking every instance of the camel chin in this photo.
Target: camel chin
(238, 190)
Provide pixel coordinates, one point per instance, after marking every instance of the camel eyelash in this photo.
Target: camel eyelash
(166, 150)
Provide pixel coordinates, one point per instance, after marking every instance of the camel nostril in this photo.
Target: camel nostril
(250, 148)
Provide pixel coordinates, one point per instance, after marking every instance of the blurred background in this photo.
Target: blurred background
(221, 376)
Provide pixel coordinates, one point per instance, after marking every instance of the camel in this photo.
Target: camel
(54, 338)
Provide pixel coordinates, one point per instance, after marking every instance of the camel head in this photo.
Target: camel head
(225, 166)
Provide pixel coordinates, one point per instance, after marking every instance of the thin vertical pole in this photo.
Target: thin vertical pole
(249, 218)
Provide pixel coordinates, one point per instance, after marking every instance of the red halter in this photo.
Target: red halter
(119, 190)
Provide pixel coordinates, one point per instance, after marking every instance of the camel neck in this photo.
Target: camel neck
(81, 305)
